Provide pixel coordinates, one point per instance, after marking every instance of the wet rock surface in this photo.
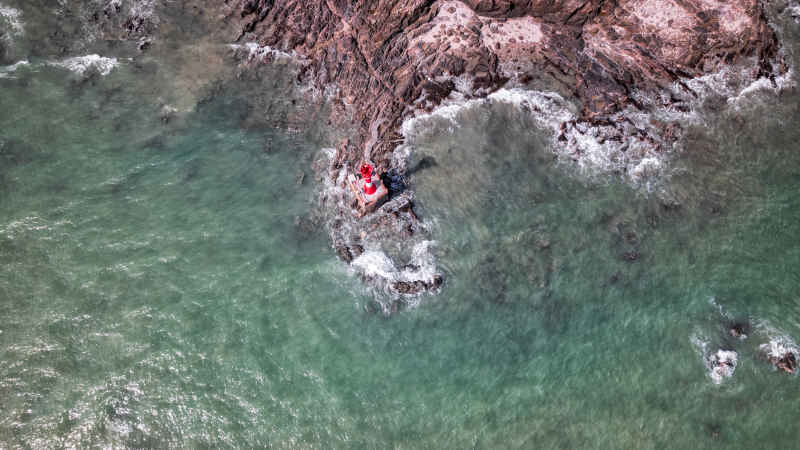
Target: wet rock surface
(787, 362)
(610, 63)
(391, 59)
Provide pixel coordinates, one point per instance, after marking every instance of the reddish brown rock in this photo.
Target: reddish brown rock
(389, 58)
(786, 362)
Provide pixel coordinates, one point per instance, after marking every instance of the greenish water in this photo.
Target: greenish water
(156, 292)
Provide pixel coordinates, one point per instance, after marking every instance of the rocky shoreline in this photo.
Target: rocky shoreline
(391, 60)
(616, 62)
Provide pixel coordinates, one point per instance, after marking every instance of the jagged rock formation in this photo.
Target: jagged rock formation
(391, 58)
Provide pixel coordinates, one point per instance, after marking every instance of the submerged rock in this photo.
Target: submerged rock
(739, 330)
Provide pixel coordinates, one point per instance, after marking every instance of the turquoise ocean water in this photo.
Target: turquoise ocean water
(157, 292)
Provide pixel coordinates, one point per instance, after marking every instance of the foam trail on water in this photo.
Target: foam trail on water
(584, 145)
(7, 70)
(257, 52)
(736, 85)
(376, 264)
(634, 145)
(80, 64)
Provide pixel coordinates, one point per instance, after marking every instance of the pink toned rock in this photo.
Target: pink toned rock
(386, 55)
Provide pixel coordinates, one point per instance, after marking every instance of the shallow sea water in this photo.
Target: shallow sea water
(156, 292)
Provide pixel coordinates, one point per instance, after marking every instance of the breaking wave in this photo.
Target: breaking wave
(720, 364)
(81, 64)
(5, 72)
(597, 149)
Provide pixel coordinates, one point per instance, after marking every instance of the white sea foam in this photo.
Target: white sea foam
(144, 9)
(421, 268)
(375, 263)
(779, 346)
(735, 84)
(262, 52)
(80, 64)
(5, 72)
(13, 17)
(585, 145)
(779, 343)
(794, 12)
(720, 364)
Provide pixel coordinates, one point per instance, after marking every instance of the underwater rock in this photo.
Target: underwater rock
(425, 163)
(305, 225)
(714, 429)
(631, 256)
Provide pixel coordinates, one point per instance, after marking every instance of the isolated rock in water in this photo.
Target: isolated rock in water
(781, 353)
(722, 365)
(787, 362)
(739, 330)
